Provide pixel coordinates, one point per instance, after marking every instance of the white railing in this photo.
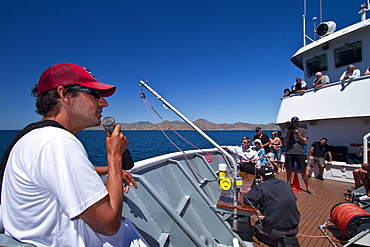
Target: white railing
(365, 143)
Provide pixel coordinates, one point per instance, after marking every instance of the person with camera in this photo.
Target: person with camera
(295, 139)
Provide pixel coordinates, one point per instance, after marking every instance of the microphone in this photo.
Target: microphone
(127, 163)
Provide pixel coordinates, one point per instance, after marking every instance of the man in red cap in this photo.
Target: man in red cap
(52, 194)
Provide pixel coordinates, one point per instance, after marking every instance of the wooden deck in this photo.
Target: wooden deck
(315, 210)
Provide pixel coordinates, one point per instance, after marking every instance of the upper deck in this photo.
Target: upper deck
(337, 111)
(337, 100)
(331, 54)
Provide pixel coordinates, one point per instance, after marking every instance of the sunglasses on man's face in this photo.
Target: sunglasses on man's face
(245, 142)
(94, 92)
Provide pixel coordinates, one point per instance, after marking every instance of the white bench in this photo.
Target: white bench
(340, 171)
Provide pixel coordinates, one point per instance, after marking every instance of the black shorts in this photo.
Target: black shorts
(247, 167)
(290, 159)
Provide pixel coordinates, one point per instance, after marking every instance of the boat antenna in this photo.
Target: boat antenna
(363, 10)
(304, 22)
(232, 160)
(304, 25)
(320, 11)
(314, 27)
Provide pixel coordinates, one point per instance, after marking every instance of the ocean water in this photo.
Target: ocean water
(145, 144)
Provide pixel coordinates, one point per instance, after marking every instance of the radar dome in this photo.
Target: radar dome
(326, 28)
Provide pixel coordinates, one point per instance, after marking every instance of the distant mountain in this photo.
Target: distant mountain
(200, 123)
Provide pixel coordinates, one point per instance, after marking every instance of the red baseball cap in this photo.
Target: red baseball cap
(65, 74)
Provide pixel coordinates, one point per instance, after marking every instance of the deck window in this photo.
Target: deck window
(316, 64)
(348, 54)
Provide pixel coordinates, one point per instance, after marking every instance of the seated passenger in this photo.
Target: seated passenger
(367, 72)
(320, 80)
(299, 86)
(245, 155)
(317, 152)
(350, 73)
(362, 176)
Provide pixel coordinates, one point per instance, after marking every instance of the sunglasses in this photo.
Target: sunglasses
(245, 142)
(94, 92)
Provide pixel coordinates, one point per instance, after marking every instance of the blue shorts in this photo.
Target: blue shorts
(277, 155)
(290, 159)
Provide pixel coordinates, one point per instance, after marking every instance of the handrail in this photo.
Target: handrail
(365, 143)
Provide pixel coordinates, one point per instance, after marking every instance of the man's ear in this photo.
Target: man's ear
(63, 95)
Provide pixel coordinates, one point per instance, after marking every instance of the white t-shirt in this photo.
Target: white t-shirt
(244, 155)
(48, 182)
(303, 84)
(356, 73)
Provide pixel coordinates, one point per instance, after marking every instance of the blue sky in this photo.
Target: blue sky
(224, 61)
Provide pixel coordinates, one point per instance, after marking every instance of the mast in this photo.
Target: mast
(363, 10)
(235, 165)
(320, 11)
(304, 23)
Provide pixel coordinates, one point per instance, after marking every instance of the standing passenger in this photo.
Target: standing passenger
(286, 93)
(367, 72)
(321, 80)
(296, 138)
(283, 151)
(350, 73)
(276, 148)
(299, 86)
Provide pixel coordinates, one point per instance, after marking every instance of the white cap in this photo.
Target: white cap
(257, 141)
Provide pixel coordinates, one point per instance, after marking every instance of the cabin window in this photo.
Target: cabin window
(316, 64)
(348, 54)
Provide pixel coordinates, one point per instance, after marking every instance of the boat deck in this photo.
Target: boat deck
(315, 210)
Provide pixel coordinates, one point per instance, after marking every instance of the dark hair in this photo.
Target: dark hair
(246, 138)
(326, 139)
(46, 101)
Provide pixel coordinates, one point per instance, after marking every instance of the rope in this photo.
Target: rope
(343, 214)
(310, 236)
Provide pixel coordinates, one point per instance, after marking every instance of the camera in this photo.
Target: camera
(291, 126)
